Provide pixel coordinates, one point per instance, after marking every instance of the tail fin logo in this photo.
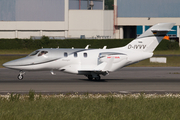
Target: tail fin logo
(136, 46)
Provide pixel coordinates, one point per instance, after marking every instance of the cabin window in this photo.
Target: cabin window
(65, 54)
(85, 55)
(75, 54)
(34, 53)
(42, 53)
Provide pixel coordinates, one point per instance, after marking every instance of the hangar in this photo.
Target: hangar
(134, 17)
(55, 18)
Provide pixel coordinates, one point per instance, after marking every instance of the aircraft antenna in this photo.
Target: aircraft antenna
(104, 47)
(87, 47)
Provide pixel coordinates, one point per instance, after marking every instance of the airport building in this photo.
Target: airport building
(57, 19)
(135, 17)
(60, 19)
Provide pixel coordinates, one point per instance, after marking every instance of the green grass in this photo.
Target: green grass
(172, 61)
(109, 108)
(4, 59)
(27, 51)
(15, 51)
(167, 52)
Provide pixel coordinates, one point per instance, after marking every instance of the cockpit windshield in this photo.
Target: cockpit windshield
(34, 53)
(42, 53)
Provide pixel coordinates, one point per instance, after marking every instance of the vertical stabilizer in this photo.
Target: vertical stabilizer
(150, 39)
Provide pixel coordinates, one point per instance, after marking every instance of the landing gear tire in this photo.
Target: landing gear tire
(90, 77)
(20, 77)
(98, 77)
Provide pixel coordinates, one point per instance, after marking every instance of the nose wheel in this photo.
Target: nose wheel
(20, 76)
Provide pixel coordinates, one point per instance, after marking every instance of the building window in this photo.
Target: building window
(85, 55)
(75, 54)
(65, 54)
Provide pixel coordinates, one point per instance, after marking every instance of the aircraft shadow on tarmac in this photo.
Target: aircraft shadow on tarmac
(102, 80)
(133, 80)
(76, 80)
(59, 81)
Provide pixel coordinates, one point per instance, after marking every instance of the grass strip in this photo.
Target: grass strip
(167, 52)
(4, 59)
(16, 51)
(172, 61)
(28, 51)
(90, 107)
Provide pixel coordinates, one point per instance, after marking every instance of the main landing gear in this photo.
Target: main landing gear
(20, 76)
(95, 77)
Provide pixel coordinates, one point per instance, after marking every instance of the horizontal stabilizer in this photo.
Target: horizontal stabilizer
(160, 27)
(163, 30)
(149, 40)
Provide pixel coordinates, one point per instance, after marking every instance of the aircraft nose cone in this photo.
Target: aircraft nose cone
(6, 64)
(13, 63)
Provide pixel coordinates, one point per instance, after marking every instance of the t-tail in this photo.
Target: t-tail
(149, 40)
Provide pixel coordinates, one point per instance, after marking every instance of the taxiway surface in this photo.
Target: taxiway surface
(126, 80)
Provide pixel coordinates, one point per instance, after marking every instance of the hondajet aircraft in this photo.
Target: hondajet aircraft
(92, 62)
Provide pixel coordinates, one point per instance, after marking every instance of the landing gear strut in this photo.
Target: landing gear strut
(20, 76)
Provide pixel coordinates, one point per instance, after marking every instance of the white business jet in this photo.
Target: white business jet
(92, 62)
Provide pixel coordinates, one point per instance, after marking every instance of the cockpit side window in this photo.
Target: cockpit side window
(42, 53)
(34, 53)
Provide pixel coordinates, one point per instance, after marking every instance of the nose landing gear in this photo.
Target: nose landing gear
(20, 76)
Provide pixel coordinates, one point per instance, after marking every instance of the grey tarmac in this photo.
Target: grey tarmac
(127, 80)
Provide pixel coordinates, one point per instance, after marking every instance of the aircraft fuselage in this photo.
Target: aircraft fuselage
(75, 60)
